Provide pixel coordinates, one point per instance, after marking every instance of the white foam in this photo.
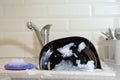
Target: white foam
(65, 50)
(15, 62)
(81, 66)
(90, 66)
(68, 66)
(64, 65)
(81, 46)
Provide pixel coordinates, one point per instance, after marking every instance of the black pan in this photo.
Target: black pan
(50, 56)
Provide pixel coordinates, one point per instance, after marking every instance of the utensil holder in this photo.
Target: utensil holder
(112, 51)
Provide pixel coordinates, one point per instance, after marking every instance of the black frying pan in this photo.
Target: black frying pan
(50, 56)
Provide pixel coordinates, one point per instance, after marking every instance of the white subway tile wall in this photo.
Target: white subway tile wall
(91, 1)
(85, 18)
(12, 25)
(8, 50)
(106, 10)
(11, 2)
(68, 10)
(55, 35)
(1, 11)
(31, 11)
(44, 1)
(90, 24)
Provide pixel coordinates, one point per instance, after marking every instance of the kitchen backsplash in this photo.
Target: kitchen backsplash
(85, 18)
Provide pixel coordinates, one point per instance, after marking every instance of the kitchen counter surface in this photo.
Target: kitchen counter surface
(55, 75)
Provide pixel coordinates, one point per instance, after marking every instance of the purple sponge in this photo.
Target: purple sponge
(18, 64)
(19, 67)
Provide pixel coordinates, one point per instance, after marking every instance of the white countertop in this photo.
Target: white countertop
(56, 75)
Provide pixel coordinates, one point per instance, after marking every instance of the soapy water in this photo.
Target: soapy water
(67, 65)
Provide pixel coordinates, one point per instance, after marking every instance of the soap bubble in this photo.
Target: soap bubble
(15, 62)
(81, 46)
(67, 65)
(65, 50)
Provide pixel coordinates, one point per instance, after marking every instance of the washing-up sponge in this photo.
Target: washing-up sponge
(18, 64)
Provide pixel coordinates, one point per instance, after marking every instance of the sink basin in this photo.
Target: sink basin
(107, 73)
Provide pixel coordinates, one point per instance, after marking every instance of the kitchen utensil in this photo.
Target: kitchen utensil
(117, 33)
